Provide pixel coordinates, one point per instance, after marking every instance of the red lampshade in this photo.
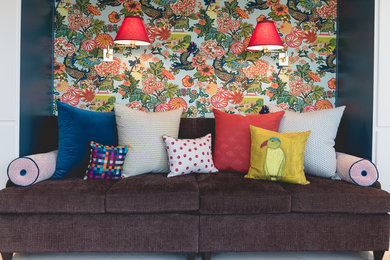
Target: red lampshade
(265, 37)
(132, 32)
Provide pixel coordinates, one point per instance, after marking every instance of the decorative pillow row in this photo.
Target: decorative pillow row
(143, 131)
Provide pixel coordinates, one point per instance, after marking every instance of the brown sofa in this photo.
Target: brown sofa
(203, 213)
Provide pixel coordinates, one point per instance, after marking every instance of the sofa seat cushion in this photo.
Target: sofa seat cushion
(325, 195)
(69, 196)
(153, 192)
(231, 193)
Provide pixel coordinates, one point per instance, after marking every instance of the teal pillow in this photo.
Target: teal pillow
(76, 129)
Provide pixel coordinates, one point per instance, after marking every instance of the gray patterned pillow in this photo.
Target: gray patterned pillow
(143, 131)
(320, 155)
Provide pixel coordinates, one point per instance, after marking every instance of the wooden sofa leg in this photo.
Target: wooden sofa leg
(6, 256)
(206, 256)
(378, 255)
(191, 256)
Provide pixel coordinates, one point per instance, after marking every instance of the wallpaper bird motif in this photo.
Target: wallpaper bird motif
(198, 58)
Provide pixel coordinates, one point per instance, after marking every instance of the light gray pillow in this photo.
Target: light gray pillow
(320, 155)
(143, 131)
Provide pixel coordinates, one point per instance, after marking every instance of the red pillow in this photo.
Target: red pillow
(233, 138)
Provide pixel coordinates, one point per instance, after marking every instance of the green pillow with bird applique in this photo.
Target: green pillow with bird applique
(277, 156)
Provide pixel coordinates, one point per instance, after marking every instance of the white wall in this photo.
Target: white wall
(10, 13)
(381, 128)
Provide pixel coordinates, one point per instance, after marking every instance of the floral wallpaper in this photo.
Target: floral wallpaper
(198, 58)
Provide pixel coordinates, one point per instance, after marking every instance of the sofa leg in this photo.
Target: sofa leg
(6, 256)
(191, 256)
(378, 255)
(206, 256)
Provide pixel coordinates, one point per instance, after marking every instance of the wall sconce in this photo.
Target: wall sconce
(131, 33)
(266, 38)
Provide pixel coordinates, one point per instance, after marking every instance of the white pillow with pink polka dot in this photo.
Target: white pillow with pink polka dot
(189, 155)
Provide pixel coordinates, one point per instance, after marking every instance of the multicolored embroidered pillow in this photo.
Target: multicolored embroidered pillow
(106, 162)
(189, 155)
(277, 156)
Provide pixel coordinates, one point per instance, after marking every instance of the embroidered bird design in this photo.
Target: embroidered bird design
(275, 158)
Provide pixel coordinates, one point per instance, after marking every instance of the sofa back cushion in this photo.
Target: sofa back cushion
(47, 139)
(191, 128)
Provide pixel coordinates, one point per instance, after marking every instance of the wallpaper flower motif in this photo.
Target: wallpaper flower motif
(198, 58)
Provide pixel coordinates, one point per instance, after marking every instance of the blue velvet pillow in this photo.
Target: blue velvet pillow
(76, 129)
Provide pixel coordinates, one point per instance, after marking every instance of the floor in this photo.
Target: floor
(220, 256)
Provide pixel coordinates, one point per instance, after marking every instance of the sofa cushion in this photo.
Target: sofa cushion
(56, 196)
(231, 193)
(153, 192)
(326, 195)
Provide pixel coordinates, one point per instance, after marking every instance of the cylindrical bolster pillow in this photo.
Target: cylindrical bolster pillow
(356, 170)
(27, 170)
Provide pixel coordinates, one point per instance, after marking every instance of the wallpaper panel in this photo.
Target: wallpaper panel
(198, 58)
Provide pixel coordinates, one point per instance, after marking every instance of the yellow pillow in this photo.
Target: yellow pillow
(277, 156)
